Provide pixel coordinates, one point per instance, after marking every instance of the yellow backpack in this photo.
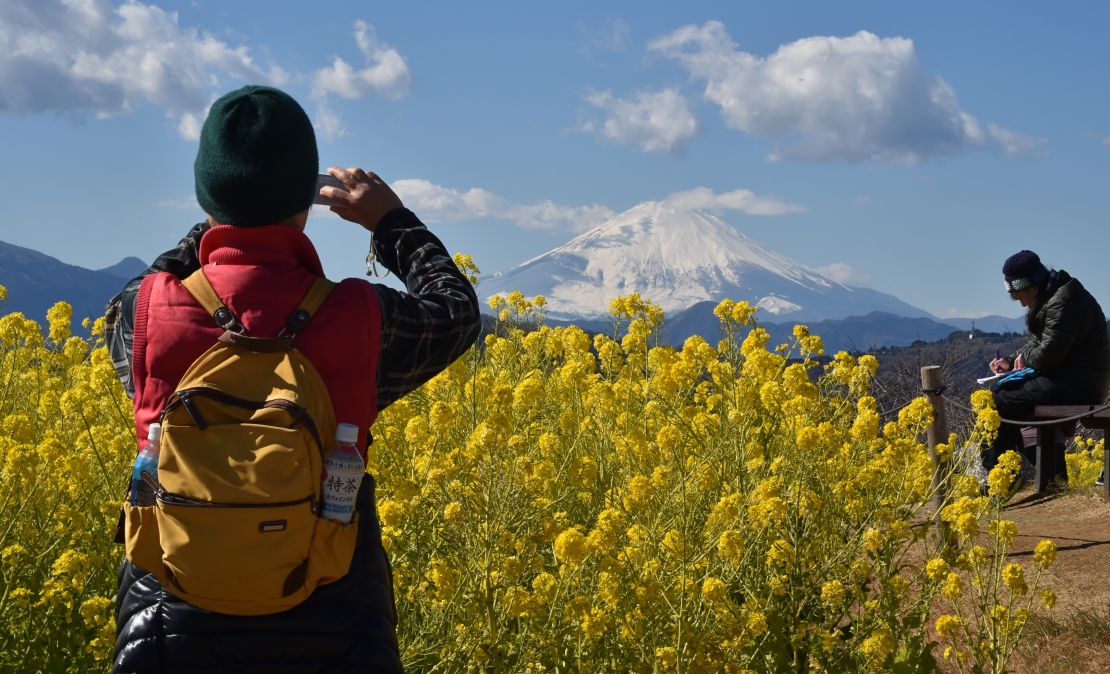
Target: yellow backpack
(235, 526)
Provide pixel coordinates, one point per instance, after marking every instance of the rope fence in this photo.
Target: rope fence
(894, 410)
(1029, 422)
(1049, 461)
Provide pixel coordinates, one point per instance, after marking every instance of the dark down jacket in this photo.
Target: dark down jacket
(340, 628)
(1068, 340)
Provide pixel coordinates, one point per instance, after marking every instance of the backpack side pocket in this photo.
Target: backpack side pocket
(140, 536)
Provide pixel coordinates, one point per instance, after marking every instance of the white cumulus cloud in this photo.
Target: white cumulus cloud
(844, 273)
(86, 56)
(745, 201)
(92, 57)
(657, 121)
(853, 98)
(386, 73)
(436, 203)
(444, 204)
(1014, 143)
(549, 215)
(328, 123)
(189, 125)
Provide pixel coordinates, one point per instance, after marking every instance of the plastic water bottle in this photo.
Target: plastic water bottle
(343, 471)
(142, 494)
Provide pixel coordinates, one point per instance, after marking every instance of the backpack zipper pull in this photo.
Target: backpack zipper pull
(193, 410)
(155, 485)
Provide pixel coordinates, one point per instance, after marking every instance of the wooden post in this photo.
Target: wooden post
(1046, 450)
(931, 384)
(1106, 465)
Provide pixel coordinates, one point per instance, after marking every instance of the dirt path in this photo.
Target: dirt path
(1075, 637)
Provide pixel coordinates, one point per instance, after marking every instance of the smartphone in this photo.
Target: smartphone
(326, 179)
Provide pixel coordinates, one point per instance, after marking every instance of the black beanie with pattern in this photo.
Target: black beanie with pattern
(257, 161)
(1022, 270)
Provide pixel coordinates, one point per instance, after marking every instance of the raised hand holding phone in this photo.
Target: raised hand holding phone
(326, 180)
(361, 197)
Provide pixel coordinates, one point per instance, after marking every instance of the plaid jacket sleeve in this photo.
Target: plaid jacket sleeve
(425, 329)
(181, 260)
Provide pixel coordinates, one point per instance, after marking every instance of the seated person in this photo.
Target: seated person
(1068, 350)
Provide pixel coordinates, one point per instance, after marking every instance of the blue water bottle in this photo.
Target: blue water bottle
(142, 493)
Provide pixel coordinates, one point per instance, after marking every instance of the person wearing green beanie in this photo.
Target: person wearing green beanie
(257, 161)
(255, 175)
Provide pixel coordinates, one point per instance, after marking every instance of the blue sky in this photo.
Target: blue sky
(909, 148)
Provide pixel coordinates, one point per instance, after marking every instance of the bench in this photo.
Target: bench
(1046, 439)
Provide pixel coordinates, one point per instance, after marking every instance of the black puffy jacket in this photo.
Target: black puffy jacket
(1068, 339)
(346, 626)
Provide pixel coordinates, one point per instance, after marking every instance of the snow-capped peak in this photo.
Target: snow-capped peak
(675, 257)
(654, 237)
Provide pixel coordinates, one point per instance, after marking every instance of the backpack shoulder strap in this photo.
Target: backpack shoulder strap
(319, 292)
(202, 291)
(313, 300)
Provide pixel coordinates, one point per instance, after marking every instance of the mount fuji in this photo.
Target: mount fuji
(679, 257)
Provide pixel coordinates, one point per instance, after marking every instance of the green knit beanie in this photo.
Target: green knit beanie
(257, 161)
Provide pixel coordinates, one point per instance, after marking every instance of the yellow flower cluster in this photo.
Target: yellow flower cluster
(466, 265)
(558, 501)
(515, 308)
(606, 503)
(987, 418)
(948, 626)
(1085, 463)
(66, 441)
(1044, 555)
(984, 637)
(1002, 476)
(936, 570)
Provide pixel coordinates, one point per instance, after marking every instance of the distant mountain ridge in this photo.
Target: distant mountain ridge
(127, 268)
(993, 323)
(678, 257)
(875, 330)
(36, 281)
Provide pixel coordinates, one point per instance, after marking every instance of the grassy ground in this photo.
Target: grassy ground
(1071, 641)
(1073, 638)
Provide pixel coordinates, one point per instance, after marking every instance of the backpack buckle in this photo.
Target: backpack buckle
(226, 320)
(297, 320)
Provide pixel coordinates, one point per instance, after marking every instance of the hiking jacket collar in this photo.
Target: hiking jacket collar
(270, 246)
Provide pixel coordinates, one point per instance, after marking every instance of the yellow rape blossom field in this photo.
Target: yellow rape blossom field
(561, 502)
